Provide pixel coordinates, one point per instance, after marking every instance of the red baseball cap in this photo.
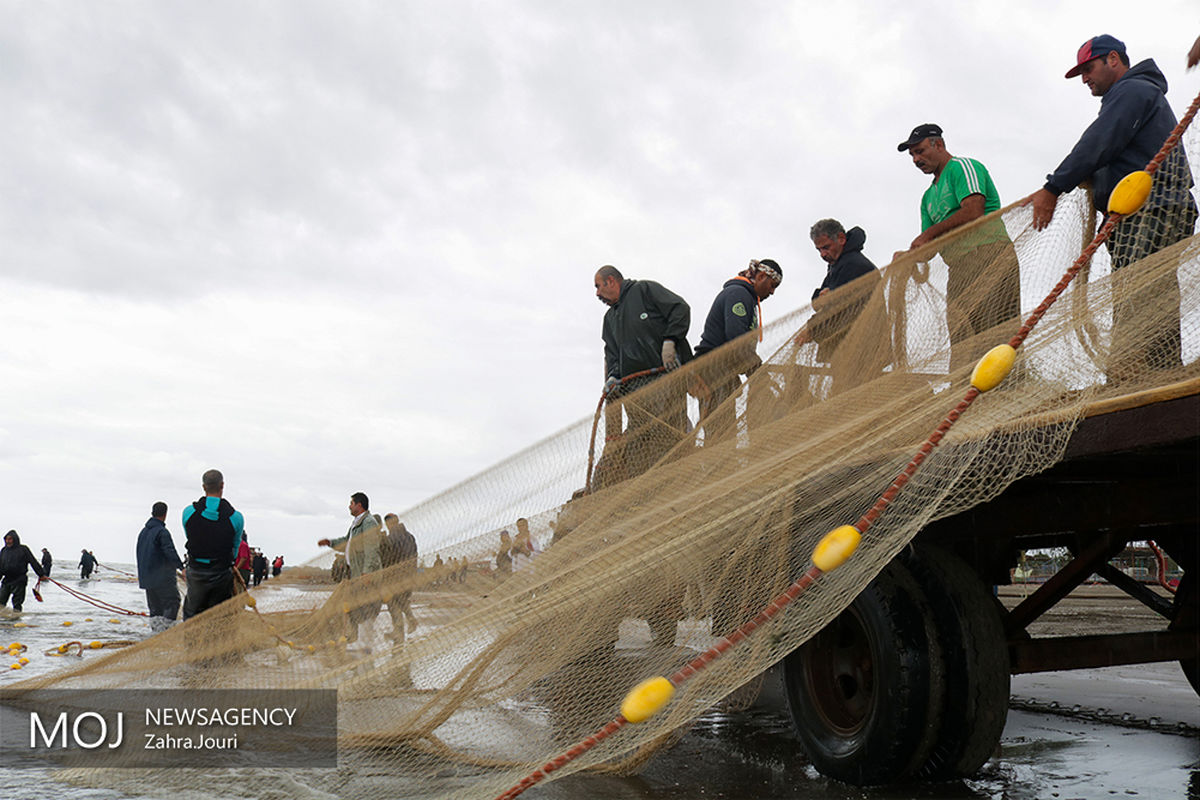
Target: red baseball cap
(1095, 47)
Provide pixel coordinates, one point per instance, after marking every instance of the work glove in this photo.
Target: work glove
(669, 359)
(611, 385)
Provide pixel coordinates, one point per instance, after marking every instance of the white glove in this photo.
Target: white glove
(610, 385)
(669, 358)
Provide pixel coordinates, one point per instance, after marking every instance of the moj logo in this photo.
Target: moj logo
(88, 731)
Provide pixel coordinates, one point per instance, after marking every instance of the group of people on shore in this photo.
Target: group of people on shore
(217, 550)
(646, 326)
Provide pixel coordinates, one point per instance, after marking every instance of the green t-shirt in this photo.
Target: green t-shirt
(960, 178)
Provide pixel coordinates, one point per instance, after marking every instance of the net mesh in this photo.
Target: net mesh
(693, 523)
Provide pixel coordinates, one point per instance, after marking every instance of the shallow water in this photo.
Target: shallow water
(744, 756)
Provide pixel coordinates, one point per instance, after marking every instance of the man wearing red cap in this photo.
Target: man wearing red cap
(1135, 119)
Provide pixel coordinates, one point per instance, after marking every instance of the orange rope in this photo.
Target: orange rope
(596, 421)
(97, 602)
(808, 578)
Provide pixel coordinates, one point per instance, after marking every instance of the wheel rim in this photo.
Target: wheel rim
(839, 670)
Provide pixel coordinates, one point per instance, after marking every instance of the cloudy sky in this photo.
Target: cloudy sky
(330, 247)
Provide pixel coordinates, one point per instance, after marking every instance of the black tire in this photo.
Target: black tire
(1186, 617)
(970, 633)
(859, 692)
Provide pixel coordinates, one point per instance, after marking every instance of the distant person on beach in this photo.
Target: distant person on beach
(87, 563)
(276, 566)
(361, 544)
(1135, 120)
(15, 558)
(157, 563)
(833, 314)
(245, 560)
(214, 530)
(504, 561)
(736, 310)
(259, 565)
(523, 547)
(400, 548)
(645, 327)
(47, 561)
(983, 287)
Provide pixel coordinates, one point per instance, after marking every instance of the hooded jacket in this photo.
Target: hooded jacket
(14, 559)
(849, 265)
(645, 315)
(1135, 119)
(829, 324)
(157, 558)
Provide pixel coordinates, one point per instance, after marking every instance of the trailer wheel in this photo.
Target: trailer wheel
(859, 692)
(1187, 618)
(970, 633)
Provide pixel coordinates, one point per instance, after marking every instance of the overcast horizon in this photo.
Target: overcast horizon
(329, 249)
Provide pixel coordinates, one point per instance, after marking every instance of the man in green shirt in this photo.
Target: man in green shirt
(983, 288)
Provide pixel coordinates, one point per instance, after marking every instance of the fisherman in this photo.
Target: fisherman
(244, 560)
(400, 548)
(645, 328)
(259, 565)
(276, 566)
(361, 544)
(14, 559)
(213, 529)
(736, 310)
(833, 315)
(47, 561)
(983, 287)
(157, 562)
(87, 562)
(1134, 122)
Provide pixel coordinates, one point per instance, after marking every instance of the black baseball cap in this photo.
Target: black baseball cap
(920, 133)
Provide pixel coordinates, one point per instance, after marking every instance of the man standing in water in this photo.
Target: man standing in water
(157, 562)
(14, 558)
(213, 529)
(47, 561)
(87, 562)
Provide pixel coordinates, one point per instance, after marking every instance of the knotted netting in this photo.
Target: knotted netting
(681, 526)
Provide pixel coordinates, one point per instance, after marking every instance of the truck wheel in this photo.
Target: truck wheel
(860, 691)
(1187, 618)
(970, 633)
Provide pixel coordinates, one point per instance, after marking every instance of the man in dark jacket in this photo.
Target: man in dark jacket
(47, 561)
(213, 530)
(14, 559)
(87, 563)
(157, 562)
(400, 547)
(837, 305)
(734, 313)
(646, 327)
(1134, 122)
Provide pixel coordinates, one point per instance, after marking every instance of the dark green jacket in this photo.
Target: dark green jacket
(646, 315)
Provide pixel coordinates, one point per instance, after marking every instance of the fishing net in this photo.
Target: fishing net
(679, 528)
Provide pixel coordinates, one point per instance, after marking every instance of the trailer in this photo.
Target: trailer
(911, 681)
